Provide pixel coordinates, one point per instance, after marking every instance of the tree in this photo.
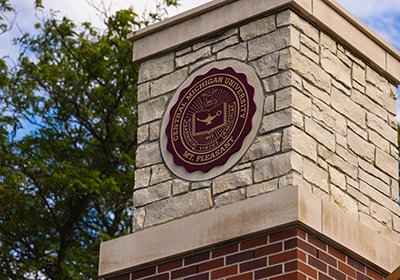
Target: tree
(67, 184)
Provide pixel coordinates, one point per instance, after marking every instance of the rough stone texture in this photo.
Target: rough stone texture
(151, 194)
(328, 125)
(267, 65)
(232, 181)
(272, 42)
(193, 57)
(156, 67)
(264, 187)
(152, 110)
(229, 197)
(257, 28)
(142, 177)
(176, 207)
(276, 120)
(237, 51)
(168, 83)
(264, 146)
(159, 173)
(148, 154)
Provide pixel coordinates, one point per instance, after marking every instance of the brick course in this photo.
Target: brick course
(288, 254)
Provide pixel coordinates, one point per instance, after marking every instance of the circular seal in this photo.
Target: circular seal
(210, 119)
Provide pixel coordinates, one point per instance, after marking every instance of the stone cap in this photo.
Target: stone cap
(268, 212)
(217, 15)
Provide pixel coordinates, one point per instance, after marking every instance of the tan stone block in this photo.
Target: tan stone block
(300, 102)
(257, 28)
(380, 213)
(201, 62)
(272, 42)
(382, 128)
(328, 116)
(139, 215)
(263, 146)
(225, 43)
(292, 59)
(321, 134)
(393, 66)
(283, 98)
(282, 80)
(276, 120)
(396, 223)
(358, 73)
(328, 43)
(366, 102)
(156, 67)
(152, 109)
(151, 194)
(381, 98)
(297, 119)
(360, 146)
(183, 51)
(337, 178)
(201, 185)
(344, 201)
(215, 39)
(193, 56)
(176, 207)
(168, 83)
(315, 175)
(142, 177)
(371, 169)
(322, 95)
(309, 53)
(267, 65)
(347, 155)
(338, 162)
(379, 197)
(287, 140)
(304, 144)
(261, 188)
(238, 51)
(360, 197)
(180, 186)
(387, 163)
(344, 105)
(340, 54)
(374, 182)
(309, 43)
(395, 191)
(143, 133)
(229, 197)
(272, 167)
(378, 80)
(269, 104)
(154, 130)
(232, 181)
(159, 173)
(148, 154)
(289, 17)
(143, 92)
(332, 64)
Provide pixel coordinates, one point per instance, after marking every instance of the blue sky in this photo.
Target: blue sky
(383, 16)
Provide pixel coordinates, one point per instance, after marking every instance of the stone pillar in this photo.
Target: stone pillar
(267, 147)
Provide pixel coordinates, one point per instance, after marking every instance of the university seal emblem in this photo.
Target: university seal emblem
(209, 119)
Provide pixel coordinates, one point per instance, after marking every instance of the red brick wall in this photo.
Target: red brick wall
(289, 254)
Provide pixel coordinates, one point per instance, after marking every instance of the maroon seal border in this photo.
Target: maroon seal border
(252, 107)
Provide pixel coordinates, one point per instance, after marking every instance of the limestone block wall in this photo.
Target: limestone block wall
(328, 126)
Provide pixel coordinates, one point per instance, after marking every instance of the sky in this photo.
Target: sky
(382, 16)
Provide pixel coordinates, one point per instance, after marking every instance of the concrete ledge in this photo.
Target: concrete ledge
(263, 213)
(217, 15)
